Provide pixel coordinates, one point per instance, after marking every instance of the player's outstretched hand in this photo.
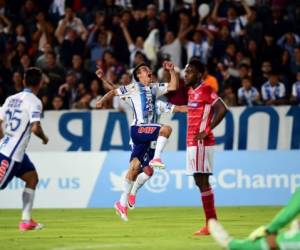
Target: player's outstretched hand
(45, 140)
(168, 65)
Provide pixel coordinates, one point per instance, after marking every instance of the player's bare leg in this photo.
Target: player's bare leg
(121, 205)
(164, 133)
(31, 181)
(207, 196)
(141, 179)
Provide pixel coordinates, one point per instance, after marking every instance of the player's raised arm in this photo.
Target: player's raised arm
(106, 84)
(108, 96)
(174, 81)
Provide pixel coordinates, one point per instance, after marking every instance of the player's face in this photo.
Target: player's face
(191, 75)
(145, 75)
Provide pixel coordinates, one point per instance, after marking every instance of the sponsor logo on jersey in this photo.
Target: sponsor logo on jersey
(146, 130)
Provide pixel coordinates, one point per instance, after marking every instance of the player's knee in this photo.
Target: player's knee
(165, 130)
(33, 181)
(148, 171)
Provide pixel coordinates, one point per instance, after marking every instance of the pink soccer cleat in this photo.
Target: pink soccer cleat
(156, 163)
(121, 211)
(131, 201)
(31, 225)
(202, 231)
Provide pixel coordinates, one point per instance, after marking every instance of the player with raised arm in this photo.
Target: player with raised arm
(141, 95)
(265, 237)
(21, 114)
(205, 111)
(142, 177)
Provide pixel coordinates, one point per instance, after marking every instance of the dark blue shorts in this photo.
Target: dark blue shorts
(144, 139)
(9, 169)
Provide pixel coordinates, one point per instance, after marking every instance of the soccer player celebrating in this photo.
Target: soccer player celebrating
(141, 96)
(265, 237)
(142, 177)
(21, 114)
(205, 111)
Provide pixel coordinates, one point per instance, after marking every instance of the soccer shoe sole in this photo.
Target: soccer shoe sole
(157, 165)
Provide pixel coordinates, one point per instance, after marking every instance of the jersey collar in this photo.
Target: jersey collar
(28, 90)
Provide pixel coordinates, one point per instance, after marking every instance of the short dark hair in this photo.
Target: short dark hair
(32, 77)
(195, 62)
(136, 70)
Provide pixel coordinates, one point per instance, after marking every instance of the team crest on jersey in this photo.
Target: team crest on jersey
(193, 104)
(146, 130)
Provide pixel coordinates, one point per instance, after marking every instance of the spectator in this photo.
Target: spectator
(247, 94)
(41, 61)
(273, 91)
(69, 90)
(82, 75)
(295, 96)
(54, 72)
(266, 69)
(200, 46)
(295, 65)
(57, 103)
(133, 47)
(70, 22)
(98, 43)
(96, 92)
(289, 41)
(43, 33)
(229, 97)
(211, 80)
(172, 49)
(17, 83)
(236, 23)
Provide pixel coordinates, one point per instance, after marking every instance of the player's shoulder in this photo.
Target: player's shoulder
(33, 97)
(206, 87)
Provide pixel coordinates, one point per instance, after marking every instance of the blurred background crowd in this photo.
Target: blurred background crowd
(251, 49)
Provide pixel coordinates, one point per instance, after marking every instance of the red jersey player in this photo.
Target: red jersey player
(205, 111)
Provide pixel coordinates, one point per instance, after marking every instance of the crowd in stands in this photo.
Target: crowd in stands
(251, 49)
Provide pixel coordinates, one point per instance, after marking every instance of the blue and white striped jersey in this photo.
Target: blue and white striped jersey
(270, 92)
(296, 90)
(142, 100)
(247, 97)
(18, 112)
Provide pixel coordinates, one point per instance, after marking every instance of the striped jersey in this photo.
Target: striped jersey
(247, 96)
(142, 100)
(18, 112)
(296, 90)
(200, 113)
(270, 92)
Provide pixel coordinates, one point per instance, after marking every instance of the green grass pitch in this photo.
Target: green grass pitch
(147, 228)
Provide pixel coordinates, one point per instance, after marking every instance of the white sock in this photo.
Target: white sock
(160, 144)
(140, 181)
(126, 190)
(27, 197)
